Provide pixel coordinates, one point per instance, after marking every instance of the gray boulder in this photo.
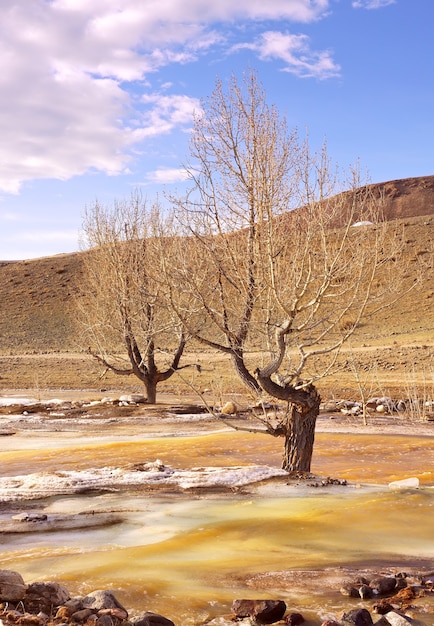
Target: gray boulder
(397, 619)
(12, 586)
(383, 585)
(99, 600)
(262, 611)
(153, 619)
(43, 596)
(357, 617)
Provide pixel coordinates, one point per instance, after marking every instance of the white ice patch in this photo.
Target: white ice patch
(362, 223)
(17, 401)
(44, 484)
(405, 483)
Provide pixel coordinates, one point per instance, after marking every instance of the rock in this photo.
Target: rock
(82, 615)
(263, 611)
(30, 517)
(401, 581)
(42, 596)
(428, 581)
(365, 592)
(63, 613)
(12, 586)
(361, 580)
(330, 406)
(100, 599)
(133, 398)
(72, 605)
(243, 608)
(382, 607)
(116, 612)
(153, 619)
(230, 408)
(358, 617)
(348, 589)
(381, 405)
(101, 620)
(404, 597)
(52, 591)
(382, 621)
(294, 619)
(383, 585)
(396, 619)
(330, 622)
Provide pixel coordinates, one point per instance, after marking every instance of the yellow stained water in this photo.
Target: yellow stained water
(189, 557)
(365, 458)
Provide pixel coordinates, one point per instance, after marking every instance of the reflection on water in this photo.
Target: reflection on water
(190, 557)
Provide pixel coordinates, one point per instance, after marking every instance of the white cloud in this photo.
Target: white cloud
(68, 68)
(372, 4)
(296, 54)
(167, 175)
(163, 113)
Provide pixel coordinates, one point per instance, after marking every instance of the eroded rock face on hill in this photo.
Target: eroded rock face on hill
(407, 197)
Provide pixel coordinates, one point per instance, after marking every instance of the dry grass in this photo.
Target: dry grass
(39, 346)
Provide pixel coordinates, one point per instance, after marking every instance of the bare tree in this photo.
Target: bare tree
(273, 264)
(122, 308)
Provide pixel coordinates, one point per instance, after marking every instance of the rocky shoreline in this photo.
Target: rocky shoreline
(85, 411)
(393, 601)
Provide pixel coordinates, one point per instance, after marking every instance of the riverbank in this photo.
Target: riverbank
(81, 408)
(395, 597)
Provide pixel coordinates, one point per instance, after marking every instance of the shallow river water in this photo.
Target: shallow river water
(189, 555)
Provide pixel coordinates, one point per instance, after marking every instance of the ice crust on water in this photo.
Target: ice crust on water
(39, 485)
(405, 483)
(17, 401)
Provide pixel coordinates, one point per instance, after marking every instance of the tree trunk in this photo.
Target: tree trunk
(299, 436)
(303, 410)
(151, 390)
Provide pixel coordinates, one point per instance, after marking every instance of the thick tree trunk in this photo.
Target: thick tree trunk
(151, 391)
(299, 437)
(299, 427)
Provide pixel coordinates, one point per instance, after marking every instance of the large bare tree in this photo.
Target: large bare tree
(124, 319)
(274, 265)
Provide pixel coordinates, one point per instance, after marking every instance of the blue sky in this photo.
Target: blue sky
(97, 96)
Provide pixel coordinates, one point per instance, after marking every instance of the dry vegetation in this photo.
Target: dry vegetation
(40, 347)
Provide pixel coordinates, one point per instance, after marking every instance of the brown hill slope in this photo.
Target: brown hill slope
(37, 304)
(408, 197)
(38, 312)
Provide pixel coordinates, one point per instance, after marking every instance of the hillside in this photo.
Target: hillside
(37, 304)
(408, 197)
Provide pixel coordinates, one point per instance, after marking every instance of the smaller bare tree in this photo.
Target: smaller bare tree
(122, 312)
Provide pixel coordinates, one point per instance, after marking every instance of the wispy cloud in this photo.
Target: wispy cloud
(296, 54)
